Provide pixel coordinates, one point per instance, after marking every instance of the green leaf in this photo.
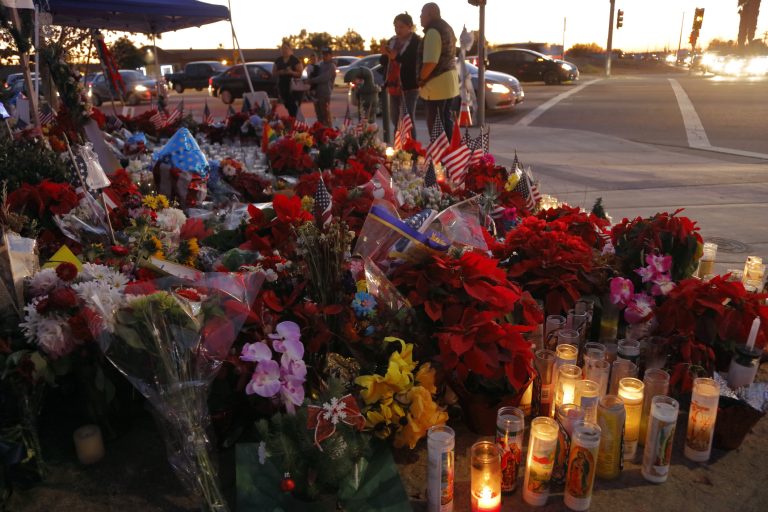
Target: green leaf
(130, 336)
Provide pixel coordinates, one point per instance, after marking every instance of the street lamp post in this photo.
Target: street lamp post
(609, 49)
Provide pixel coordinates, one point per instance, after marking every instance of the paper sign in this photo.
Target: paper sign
(63, 255)
(176, 269)
(129, 111)
(22, 109)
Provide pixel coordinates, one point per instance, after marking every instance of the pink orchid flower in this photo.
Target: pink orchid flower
(640, 308)
(265, 380)
(622, 290)
(256, 352)
(659, 264)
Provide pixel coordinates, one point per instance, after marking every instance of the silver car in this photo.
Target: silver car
(502, 91)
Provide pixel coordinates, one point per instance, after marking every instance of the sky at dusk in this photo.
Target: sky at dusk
(648, 24)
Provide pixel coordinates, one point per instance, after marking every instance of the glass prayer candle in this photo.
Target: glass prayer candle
(619, 369)
(657, 455)
(610, 352)
(567, 417)
(592, 352)
(707, 261)
(510, 430)
(587, 396)
(599, 372)
(609, 320)
(754, 271)
(656, 383)
(582, 466)
(577, 320)
(440, 468)
(553, 326)
(701, 419)
(88, 444)
(485, 477)
(541, 456)
(744, 366)
(631, 392)
(629, 350)
(568, 376)
(568, 337)
(610, 418)
(655, 353)
(545, 367)
(564, 354)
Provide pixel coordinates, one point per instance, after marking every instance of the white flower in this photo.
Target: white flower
(95, 272)
(44, 282)
(171, 219)
(103, 298)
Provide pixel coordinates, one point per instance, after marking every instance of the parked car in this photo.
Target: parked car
(344, 60)
(11, 79)
(502, 91)
(195, 75)
(370, 62)
(232, 83)
(531, 66)
(138, 88)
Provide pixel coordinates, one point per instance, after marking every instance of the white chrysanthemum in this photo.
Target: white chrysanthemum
(96, 272)
(171, 219)
(44, 282)
(53, 336)
(101, 297)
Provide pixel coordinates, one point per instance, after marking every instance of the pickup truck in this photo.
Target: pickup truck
(195, 75)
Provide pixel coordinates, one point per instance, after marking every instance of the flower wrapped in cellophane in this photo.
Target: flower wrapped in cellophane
(170, 342)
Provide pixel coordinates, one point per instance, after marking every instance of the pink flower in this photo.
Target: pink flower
(287, 340)
(265, 380)
(292, 393)
(256, 352)
(621, 290)
(640, 308)
(659, 264)
(647, 273)
(292, 368)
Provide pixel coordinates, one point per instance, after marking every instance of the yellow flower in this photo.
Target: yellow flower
(423, 414)
(307, 203)
(192, 250)
(157, 247)
(362, 285)
(425, 377)
(157, 202)
(375, 388)
(404, 358)
(511, 183)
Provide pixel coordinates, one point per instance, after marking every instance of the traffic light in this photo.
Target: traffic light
(698, 18)
(476, 3)
(620, 19)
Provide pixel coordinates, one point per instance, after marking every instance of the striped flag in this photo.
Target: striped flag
(158, 120)
(110, 198)
(323, 204)
(300, 123)
(535, 193)
(47, 116)
(438, 142)
(523, 188)
(430, 178)
(404, 126)
(176, 115)
(475, 145)
(207, 116)
(456, 163)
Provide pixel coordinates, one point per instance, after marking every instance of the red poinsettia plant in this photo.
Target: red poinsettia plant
(467, 301)
(583, 224)
(547, 260)
(703, 321)
(290, 155)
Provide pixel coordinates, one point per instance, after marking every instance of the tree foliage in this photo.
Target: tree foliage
(126, 55)
(350, 40)
(377, 44)
(584, 50)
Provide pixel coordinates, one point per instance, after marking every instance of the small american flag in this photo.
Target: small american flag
(347, 119)
(300, 123)
(323, 204)
(438, 142)
(158, 120)
(246, 106)
(485, 138)
(110, 198)
(535, 194)
(177, 113)
(456, 163)
(207, 116)
(475, 145)
(523, 188)
(430, 178)
(516, 162)
(47, 116)
(404, 127)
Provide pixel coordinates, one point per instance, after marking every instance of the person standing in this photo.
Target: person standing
(438, 77)
(400, 58)
(287, 67)
(326, 73)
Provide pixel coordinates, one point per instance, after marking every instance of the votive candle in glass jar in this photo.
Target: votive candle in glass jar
(485, 477)
(567, 417)
(611, 350)
(707, 261)
(631, 391)
(541, 457)
(619, 369)
(656, 383)
(657, 454)
(440, 468)
(568, 376)
(552, 327)
(582, 466)
(743, 368)
(629, 350)
(510, 430)
(568, 337)
(610, 417)
(599, 372)
(609, 320)
(701, 419)
(754, 271)
(545, 367)
(88, 444)
(564, 354)
(587, 396)
(577, 320)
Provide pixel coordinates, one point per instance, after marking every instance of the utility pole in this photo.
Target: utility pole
(481, 67)
(609, 49)
(680, 40)
(563, 52)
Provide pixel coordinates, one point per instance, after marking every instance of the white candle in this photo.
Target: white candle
(753, 332)
(88, 444)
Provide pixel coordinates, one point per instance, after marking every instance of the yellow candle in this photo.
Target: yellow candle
(631, 392)
(88, 444)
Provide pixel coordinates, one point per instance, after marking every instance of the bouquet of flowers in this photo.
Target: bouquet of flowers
(290, 154)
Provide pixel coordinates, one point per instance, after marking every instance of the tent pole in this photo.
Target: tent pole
(34, 114)
(240, 51)
(37, 52)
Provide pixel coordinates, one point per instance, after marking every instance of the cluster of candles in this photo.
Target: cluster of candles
(753, 275)
(598, 414)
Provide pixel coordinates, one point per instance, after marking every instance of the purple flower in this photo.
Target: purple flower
(256, 352)
(621, 290)
(287, 339)
(662, 285)
(292, 393)
(265, 380)
(659, 264)
(647, 273)
(292, 368)
(640, 308)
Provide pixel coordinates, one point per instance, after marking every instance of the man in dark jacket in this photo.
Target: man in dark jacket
(400, 57)
(324, 81)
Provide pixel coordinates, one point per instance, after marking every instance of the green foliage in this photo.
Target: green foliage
(351, 40)
(584, 50)
(23, 161)
(126, 54)
(377, 44)
(598, 209)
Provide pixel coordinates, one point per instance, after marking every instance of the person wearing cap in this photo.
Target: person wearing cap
(326, 73)
(438, 77)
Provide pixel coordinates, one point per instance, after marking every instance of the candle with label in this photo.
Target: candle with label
(440, 468)
(582, 466)
(545, 367)
(631, 391)
(485, 477)
(564, 354)
(701, 419)
(587, 396)
(657, 455)
(510, 430)
(707, 261)
(656, 383)
(610, 418)
(541, 456)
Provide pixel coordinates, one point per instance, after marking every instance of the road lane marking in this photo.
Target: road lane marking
(538, 111)
(694, 129)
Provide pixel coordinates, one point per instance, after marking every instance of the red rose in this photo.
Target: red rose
(43, 305)
(63, 298)
(119, 250)
(79, 327)
(140, 288)
(66, 271)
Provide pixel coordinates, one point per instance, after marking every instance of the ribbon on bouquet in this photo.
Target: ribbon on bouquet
(431, 239)
(323, 419)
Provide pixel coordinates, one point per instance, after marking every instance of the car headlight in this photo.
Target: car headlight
(498, 88)
(140, 88)
(566, 66)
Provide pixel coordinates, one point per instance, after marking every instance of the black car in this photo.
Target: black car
(138, 88)
(195, 75)
(531, 66)
(232, 83)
